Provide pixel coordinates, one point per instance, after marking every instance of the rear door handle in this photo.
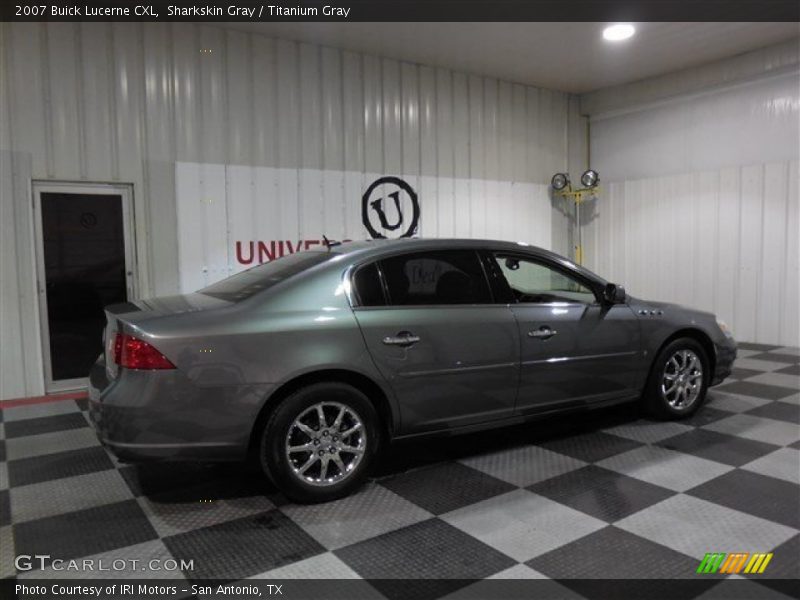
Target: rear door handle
(404, 338)
(543, 333)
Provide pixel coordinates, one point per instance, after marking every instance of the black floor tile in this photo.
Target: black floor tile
(40, 425)
(591, 447)
(243, 547)
(601, 493)
(758, 390)
(752, 346)
(739, 373)
(445, 487)
(2, 450)
(780, 411)
(5, 508)
(790, 370)
(85, 532)
(26, 471)
(614, 554)
(791, 359)
(754, 494)
(720, 447)
(785, 563)
(440, 557)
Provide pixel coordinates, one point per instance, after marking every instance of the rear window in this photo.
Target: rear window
(256, 279)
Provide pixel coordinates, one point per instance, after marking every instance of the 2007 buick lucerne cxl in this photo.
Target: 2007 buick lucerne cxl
(312, 361)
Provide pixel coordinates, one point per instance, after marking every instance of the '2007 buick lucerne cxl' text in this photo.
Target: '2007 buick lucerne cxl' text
(312, 361)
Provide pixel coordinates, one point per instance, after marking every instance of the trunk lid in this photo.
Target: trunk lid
(139, 312)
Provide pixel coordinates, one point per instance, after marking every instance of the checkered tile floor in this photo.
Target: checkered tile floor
(601, 495)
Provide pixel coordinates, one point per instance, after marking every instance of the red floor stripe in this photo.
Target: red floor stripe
(11, 403)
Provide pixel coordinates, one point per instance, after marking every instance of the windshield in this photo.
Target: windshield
(256, 279)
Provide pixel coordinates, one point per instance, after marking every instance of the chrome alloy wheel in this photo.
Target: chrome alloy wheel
(325, 443)
(682, 380)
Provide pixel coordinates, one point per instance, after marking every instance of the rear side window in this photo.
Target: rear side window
(438, 277)
(369, 289)
(256, 279)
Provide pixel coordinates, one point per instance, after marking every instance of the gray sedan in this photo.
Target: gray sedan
(311, 362)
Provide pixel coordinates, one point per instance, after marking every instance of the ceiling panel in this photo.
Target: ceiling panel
(571, 57)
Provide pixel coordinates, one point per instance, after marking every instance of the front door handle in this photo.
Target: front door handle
(543, 333)
(404, 338)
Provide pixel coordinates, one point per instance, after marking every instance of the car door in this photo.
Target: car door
(431, 325)
(574, 348)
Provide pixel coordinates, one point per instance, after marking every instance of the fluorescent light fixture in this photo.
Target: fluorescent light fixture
(618, 32)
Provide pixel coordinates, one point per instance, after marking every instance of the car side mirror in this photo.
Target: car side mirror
(614, 293)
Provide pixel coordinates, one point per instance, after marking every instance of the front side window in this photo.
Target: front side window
(438, 277)
(533, 282)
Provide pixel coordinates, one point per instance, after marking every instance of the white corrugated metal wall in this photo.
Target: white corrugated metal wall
(126, 102)
(700, 198)
(226, 212)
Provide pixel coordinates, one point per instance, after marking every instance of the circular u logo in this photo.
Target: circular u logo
(390, 208)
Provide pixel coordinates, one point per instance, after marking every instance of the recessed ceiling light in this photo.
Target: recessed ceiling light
(618, 32)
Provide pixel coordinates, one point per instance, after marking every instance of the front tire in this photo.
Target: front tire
(678, 380)
(319, 442)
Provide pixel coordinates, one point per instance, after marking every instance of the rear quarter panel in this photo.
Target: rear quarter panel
(303, 325)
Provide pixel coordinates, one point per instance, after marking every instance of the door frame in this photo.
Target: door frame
(125, 191)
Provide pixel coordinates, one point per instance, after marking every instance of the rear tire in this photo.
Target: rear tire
(678, 380)
(319, 442)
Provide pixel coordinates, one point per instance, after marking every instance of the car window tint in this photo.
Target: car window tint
(256, 279)
(368, 286)
(534, 282)
(443, 277)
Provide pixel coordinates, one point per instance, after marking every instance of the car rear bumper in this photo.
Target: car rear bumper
(726, 355)
(162, 415)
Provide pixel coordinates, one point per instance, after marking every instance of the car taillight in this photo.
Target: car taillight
(133, 353)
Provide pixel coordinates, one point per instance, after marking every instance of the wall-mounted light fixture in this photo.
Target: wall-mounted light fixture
(559, 181)
(561, 186)
(590, 179)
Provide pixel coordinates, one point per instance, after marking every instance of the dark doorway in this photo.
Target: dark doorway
(83, 243)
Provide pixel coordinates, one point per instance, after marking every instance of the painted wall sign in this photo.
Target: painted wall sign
(394, 214)
(233, 217)
(374, 206)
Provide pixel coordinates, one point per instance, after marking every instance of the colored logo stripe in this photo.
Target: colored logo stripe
(734, 562)
(758, 563)
(711, 562)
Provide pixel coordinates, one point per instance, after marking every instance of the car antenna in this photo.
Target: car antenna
(330, 243)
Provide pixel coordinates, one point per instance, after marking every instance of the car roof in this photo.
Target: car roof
(362, 249)
(440, 243)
